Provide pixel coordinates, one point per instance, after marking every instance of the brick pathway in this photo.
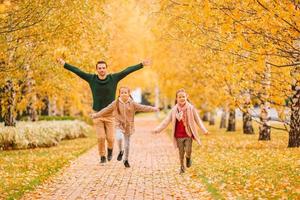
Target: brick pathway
(154, 173)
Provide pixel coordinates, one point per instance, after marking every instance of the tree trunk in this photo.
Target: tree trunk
(247, 118)
(231, 121)
(9, 93)
(32, 113)
(212, 118)
(265, 128)
(264, 132)
(31, 94)
(45, 110)
(67, 109)
(53, 108)
(205, 117)
(9, 103)
(1, 104)
(223, 119)
(49, 106)
(294, 133)
(247, 124)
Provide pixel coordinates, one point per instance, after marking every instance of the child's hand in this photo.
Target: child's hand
(206, 134)
(156, 109)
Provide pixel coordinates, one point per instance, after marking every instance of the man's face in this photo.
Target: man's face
(102, 69)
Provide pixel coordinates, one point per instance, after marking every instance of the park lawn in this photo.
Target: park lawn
(22, 170)
(238, 166)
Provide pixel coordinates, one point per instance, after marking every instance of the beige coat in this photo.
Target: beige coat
(193, 120)
(124, 119)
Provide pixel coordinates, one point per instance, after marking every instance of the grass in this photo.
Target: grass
(237, 166)
(22, 170)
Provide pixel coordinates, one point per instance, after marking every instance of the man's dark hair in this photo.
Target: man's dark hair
(101, 62)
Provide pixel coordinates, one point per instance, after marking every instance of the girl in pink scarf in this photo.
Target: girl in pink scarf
(185, 119)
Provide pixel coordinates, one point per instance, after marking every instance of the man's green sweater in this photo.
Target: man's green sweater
(103, 91)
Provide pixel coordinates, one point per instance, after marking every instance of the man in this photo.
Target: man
(103, 87)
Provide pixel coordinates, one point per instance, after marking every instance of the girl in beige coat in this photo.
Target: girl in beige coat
(124, 109)
(185, 119)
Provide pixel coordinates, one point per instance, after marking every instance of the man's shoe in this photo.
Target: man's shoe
(109, 154)
(188, 162)
(120, 156)
(126, 163)
(103, 159)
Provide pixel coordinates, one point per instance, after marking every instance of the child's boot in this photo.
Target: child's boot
(188, 162)
(126, 163)
(119, 158)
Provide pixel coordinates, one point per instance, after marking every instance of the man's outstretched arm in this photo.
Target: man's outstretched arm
(122, 74)
(75, 70)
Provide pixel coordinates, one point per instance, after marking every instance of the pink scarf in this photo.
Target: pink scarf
(181, 113)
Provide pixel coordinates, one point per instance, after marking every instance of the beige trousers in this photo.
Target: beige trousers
(104, 128)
